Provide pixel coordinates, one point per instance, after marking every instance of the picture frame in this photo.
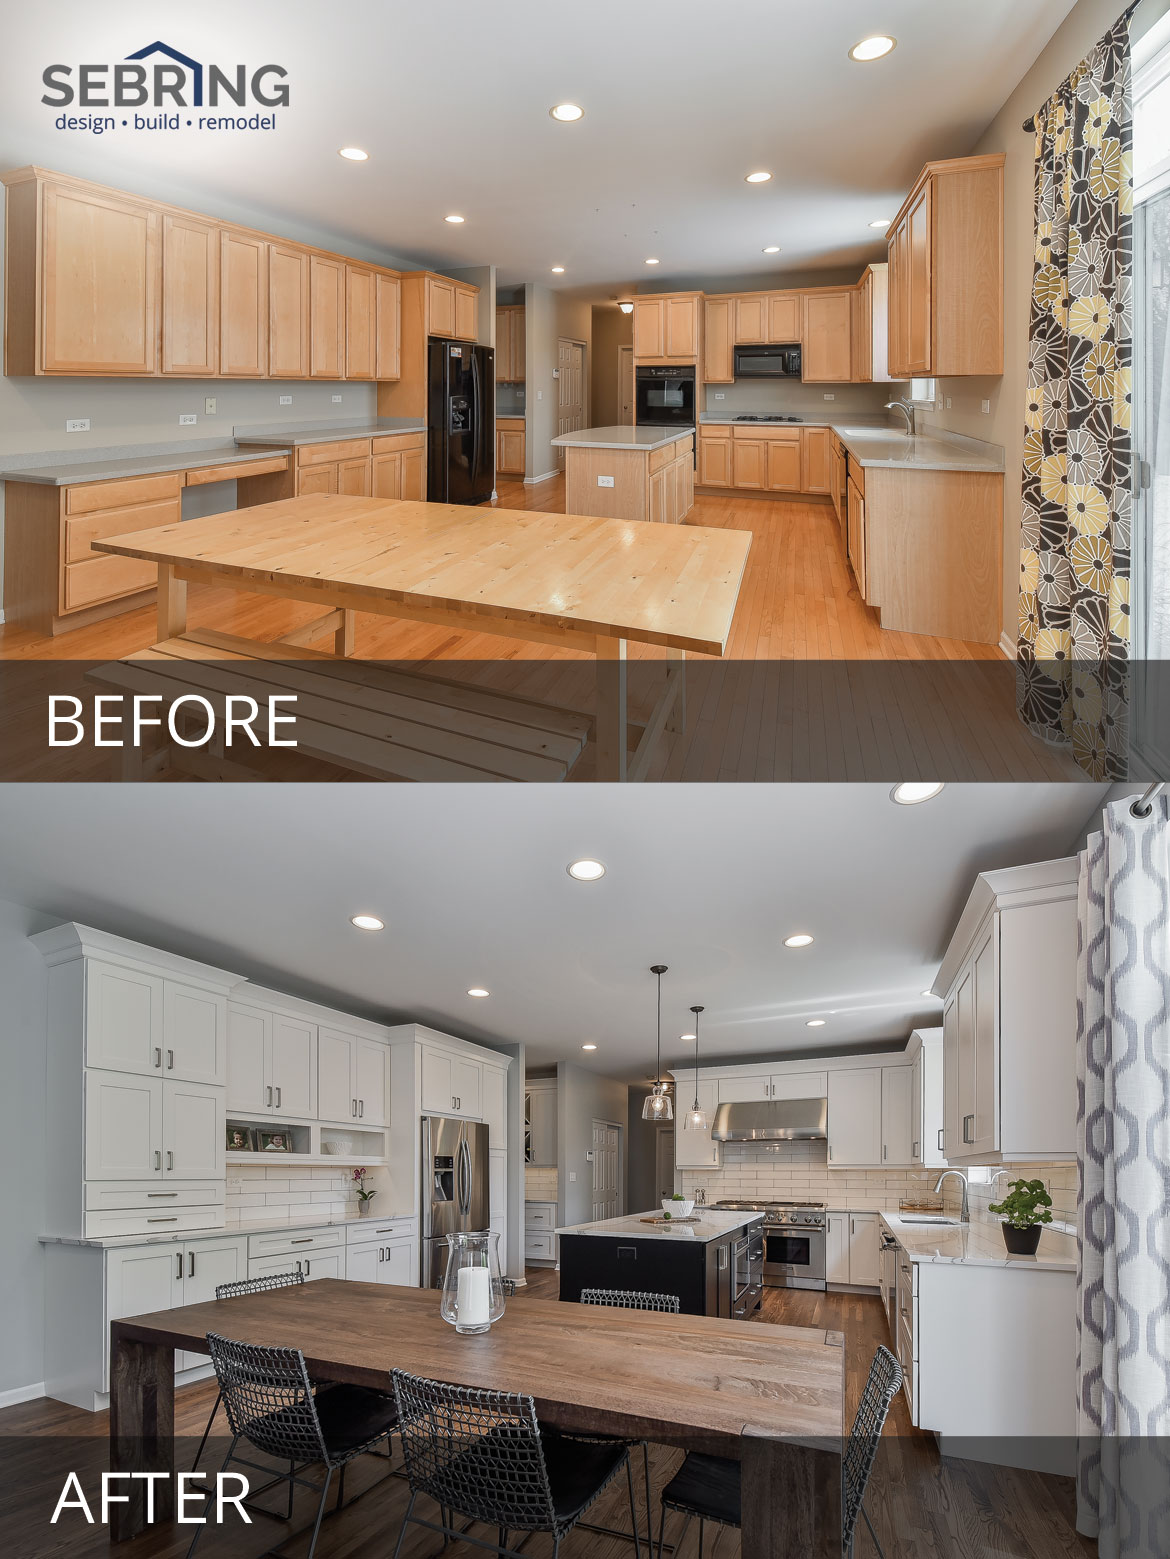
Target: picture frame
(240, 1139)
(273, 1142)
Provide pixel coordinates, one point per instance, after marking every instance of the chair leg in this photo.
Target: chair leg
(700, 1537)
(292, 1488)
(207, 1431)
(661, 1525)
(405, 1523)
(634, 1508)
(872, 1533)
(649, 1508)
(320, 1513)
(340, 1488)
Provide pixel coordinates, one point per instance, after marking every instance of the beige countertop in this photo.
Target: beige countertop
(978, 1244)
(874, 442)
(103, 465)
(627, 437)
(291, 434)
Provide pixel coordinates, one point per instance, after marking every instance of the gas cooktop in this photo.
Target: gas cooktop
(769, 419)
(762, 1207)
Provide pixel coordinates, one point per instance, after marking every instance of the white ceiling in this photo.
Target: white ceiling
(452, 100)
(472, 885)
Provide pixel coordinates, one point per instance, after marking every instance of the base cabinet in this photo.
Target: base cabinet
(851, 1249)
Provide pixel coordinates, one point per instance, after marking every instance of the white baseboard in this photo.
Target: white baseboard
(1007, 645)
(1, 614)
(22, 1394)
(531, 481)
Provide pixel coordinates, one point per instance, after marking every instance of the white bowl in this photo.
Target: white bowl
(682, 1209)
(342, 1146)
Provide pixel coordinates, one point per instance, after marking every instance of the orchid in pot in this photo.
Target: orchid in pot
(1024, 1209)
(364, 1197)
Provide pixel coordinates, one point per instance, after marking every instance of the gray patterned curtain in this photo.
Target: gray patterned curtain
(1123, 1203)
(1073, 643)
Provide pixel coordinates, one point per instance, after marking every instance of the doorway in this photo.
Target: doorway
(570, 390)
(607, 1152)
(626, 386)
(664, 1161)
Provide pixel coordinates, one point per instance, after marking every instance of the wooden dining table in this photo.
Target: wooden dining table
(773, 1397)
(565, 580)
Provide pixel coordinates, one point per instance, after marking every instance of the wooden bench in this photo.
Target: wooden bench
(376, 721)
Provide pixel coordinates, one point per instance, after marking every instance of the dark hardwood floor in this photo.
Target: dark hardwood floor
(922, 1506)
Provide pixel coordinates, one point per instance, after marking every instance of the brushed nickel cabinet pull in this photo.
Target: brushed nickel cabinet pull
(157, 1159)
(152, 1194)
(170, 1160)
(361, 1107)
(941, 1129)
(158, 1057)
(170, 1060)
(967, 1118)
(308, 1267)
(270, 1097)
(165, 1220)
(278, 1098)
(190, 1263)
(353, 1107)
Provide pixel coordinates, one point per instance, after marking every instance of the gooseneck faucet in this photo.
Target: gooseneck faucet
(907, 411)
(966, 1213)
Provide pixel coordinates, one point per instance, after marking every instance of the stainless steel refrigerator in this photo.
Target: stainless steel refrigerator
(454, 1188)
(461, 422)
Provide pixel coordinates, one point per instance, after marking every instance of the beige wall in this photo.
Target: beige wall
(611, 329)
(1004, 423)
(547, 317)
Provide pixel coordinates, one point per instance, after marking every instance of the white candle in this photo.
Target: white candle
(473, 1297)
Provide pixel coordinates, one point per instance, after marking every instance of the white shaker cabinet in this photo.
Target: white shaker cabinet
(293, 1067)
(193, 1131)
(898, 1135)
(351, 1078)
(123, 1019)
(693, 1145)
(272, 1064)
(855, 1118)
(451, 1085)
(123, 1127)
(495, 1106)
(864, 1232)
(194, 1038)
(540, 1122)
(837, 1247)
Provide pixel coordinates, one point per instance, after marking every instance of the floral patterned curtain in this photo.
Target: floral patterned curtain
(1075, 546)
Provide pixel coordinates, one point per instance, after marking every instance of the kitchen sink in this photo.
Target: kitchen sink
(926, 1218)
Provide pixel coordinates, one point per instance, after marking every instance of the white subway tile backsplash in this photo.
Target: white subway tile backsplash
(799, 1171)
(540, 1184)
(291, 1192)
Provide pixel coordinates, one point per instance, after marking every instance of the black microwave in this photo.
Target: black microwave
(767, 362)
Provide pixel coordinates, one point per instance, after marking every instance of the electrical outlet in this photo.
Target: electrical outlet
(830, 397)
(77, 425)
(572, 1177)
(605, 481)
(540, 395)
(286, 400)
(336, 399)
(720, 396)
(948, 403)
(186, 418)
(209, 406)
(986, 408)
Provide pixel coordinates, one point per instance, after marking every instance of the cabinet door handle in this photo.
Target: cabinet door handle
(308, 1240)
(353, 1107)
(300, 1266)
(190, 1263)
(941, 1129)
(168, 1220)
(308, 1267)
(885, 1152)
(361, 1108)
(270, 1096)
(158, 1057)
(179, 1259)
(157, 1159)
(152, 1194)
(381, 1253)
(853, 1225)
(170, 1060)
(967, 1118)
(278, 1098)
(170, 1160)
(914, 1149)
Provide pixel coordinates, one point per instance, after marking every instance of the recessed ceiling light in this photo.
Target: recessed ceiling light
(588, 1047)
(477, 990)
(801, 939)
(558, 270)
(910, 792)
(651, 262)
(757, 178)
(367, 922)
(815, 1023)
(586, 871)
(454, 218)
(873, 48)
(881, 224)
(566, 112)
(686, 1036)
(772, 249)
(353, 154)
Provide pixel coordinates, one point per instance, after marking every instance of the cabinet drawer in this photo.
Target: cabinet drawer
(294, 1242)
(373, 1232)
(148, 1195)
(81, 533)
(91, 496)
(179, 1221)
(856, 474)
(538, 1246)
(539, 1217)
(320, 454)
(232, 473)
(104, 579)
(392, 441)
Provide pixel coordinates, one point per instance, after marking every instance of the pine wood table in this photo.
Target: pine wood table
(771, 1396)
(560, 579)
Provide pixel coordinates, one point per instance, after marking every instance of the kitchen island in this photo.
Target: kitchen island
(630, 473)
(708, 1263)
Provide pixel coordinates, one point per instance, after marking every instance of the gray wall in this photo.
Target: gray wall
(24, 1142)
(540, 358)
(641, 1138)
(582, 1098)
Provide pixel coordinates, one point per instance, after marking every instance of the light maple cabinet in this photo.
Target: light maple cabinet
(815, 461)
(945, 251)
(243, 306)
(855, 533)
(749, 463)
(360, 323)
(388, 327)
(871, 329)
(452, 308)
(718, 341)
(354, 477)
(785, 464)
(828, 337)
(667, 328)
(398, 466)
(351, 1078)
(751, 320)
(288, 312)
(466, 312)
(510, 446)
(715, 458)
(190, 296)
(326, 318)
(784, 318)
(510, 344)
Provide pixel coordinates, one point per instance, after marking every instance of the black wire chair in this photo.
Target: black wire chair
(708, 1487)
(482, 1455)
(631, 1299)
(232, 1291)
(269, 1401)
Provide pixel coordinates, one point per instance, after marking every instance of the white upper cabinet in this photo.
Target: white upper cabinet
(193, 1131)
(855, 1118)
(272, 1064)
(249, 1059)
(369, 1081)
(467, 1081)
(777, 1085)
(123, 1019)
(742, 1090)
(927, 1113)
(194, 1034)
(540, 1123)
(898, 1136)
(451, 1084)
(693, 1146)
(495, 1106)
(351, 1078)
(123, 1126)
(293, 1066)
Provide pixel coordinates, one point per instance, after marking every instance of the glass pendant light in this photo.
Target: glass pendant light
(696, 1117)
(657, 1106)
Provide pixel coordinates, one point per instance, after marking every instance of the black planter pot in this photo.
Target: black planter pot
(1021, 1242)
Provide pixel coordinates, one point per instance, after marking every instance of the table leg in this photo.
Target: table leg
(343, 639)
(677, 667)
(142, 1430)
(172, 603)
(791, 1501)
(611, 709)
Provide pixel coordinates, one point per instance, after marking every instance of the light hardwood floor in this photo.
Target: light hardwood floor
(812, 687)
(922, 1506)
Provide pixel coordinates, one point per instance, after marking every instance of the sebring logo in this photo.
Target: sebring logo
(161, 77)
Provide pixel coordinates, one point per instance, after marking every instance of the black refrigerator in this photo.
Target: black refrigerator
(461, 422)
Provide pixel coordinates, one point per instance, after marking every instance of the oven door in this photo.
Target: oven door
(665, 397)
(741, 1277)
(794, 1258)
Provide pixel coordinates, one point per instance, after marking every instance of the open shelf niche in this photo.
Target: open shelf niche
(315, 1142)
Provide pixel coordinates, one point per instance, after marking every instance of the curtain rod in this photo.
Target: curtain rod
(1030, 124)
(1141, 807)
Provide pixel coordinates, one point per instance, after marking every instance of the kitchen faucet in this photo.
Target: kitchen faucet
(907, 411)
(966, 1214)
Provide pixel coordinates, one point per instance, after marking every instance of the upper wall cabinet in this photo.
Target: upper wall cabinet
(946, 272)
(718, 340)
(101, 283)
(667, 328)
(510, 344)
(136, 1021)
(452, 308)
(828, 337)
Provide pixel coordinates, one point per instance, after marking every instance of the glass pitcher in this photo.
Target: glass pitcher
(473, 1288)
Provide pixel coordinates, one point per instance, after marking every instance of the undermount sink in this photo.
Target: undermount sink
(926, 1218)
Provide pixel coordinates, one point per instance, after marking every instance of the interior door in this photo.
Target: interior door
(123, 1019)
(335, 1092)
(605, 1166)
(193, 1131)
(194, 1034)
(293, 1069)
(570, 390)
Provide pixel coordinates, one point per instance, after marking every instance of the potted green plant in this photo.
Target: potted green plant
(1024, 1211)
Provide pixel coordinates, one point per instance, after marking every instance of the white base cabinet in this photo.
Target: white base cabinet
(540, 1241)
(383, 1250)
(851, 1249)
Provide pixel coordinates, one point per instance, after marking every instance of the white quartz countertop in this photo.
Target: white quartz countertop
(712, 1226)
(621, 438)
(243, 1226)
(978, 1244)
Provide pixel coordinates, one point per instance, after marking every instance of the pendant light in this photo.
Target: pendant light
(697, 1118)
(657, 1106)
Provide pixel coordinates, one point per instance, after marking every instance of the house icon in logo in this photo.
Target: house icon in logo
(180, 59)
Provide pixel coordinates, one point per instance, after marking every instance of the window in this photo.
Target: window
(923, 392)
(1151, 112)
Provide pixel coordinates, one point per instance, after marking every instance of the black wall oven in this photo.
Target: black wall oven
(665, 397)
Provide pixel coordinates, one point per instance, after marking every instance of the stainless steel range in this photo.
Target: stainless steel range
(794, 1241)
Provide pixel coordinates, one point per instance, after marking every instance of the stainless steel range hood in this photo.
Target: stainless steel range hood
(772, 1120)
